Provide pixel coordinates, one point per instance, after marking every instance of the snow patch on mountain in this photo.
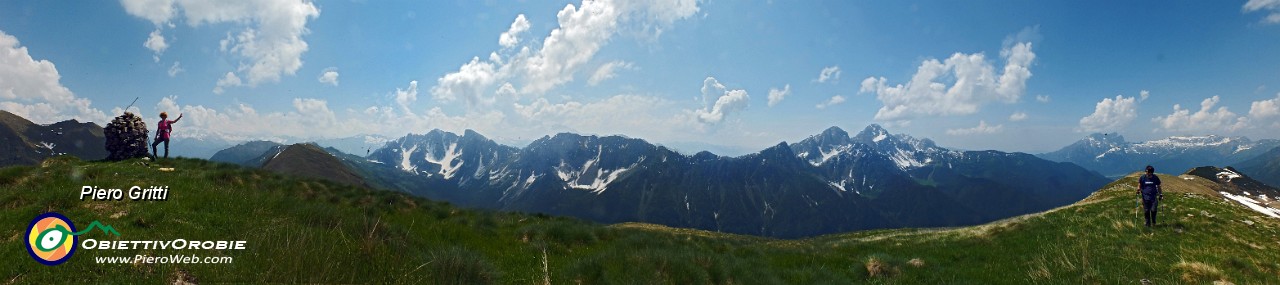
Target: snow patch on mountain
(838, 186)
(598, 181)
(1227, 175)
(447, 167)
(1253, 205)
(905, 160)
(1187, 142)
(827, 155)
(532, 178)
(405, 164)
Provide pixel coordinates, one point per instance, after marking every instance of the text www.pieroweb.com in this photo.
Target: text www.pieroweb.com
(164, 259)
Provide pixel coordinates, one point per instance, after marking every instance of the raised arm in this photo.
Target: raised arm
(179, 118)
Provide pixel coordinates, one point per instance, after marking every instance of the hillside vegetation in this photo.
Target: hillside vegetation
(313, 231)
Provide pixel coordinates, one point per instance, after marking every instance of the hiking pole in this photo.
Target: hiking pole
(135, 100)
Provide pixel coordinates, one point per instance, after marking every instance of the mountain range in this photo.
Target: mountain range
(1264, 167)
(23, 142)
(830, 182)
(1112, 156)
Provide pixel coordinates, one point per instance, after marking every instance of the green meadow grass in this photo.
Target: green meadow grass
(308, 231)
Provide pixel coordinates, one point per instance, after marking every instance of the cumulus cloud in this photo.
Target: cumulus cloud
(1042, 98)
(1143, 95)
(511, 37)
(1265, 109)
(982, 128)
(719, 101)
(471, 82)
(268, 40)
(228, 80)
(608, 71)
(829, 73)
(329, 76)
(1271, 7)
(835, 100)
(405, 97)
(959, 85)
(156, 11)
(776, 96)
(1110, 115)
(32, 88)
(155, 42)
(581, 32)
(1017, 117)
(1207, 119)
(175, 69)
(1266, 113)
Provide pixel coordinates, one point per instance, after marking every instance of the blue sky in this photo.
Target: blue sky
(1023, 76)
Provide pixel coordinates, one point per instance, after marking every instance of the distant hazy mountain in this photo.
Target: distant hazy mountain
(194, 147)
(251, 154)
(1112, 156)
(827, 183)
(1264, 167)
(25, 143)
(357, 145)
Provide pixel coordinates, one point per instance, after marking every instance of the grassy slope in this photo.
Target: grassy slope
(310, 231)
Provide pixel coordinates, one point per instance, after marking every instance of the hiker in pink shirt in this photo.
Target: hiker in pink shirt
(163, 128)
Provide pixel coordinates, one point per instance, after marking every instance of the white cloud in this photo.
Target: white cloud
(472, 82)
(828, 73)
(1265, 109)
(507, 90)
(1207, 119)
(511, 37)
(1266, 113)
(329, 76)
(959, 85)
(175, 69)
(776, 96)
(835, 100)
(32, 88)
(608, 71)
(982, 128)
(1042, 98)
(1017, 117)
(269, 41)
(155, 42)
(1110, 115)
(726, 102)
(1143, 95)
(1272, 8)
(405, 97)
(228, 80)
(583, 30)
(156, 11)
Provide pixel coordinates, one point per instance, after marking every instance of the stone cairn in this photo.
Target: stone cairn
(126, 137)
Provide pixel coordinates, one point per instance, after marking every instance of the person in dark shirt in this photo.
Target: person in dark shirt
(163, 128)
(1151, 194)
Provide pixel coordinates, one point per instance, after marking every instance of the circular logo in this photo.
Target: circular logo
(50, 240)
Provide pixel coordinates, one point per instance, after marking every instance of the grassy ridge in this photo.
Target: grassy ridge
(319, 232)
